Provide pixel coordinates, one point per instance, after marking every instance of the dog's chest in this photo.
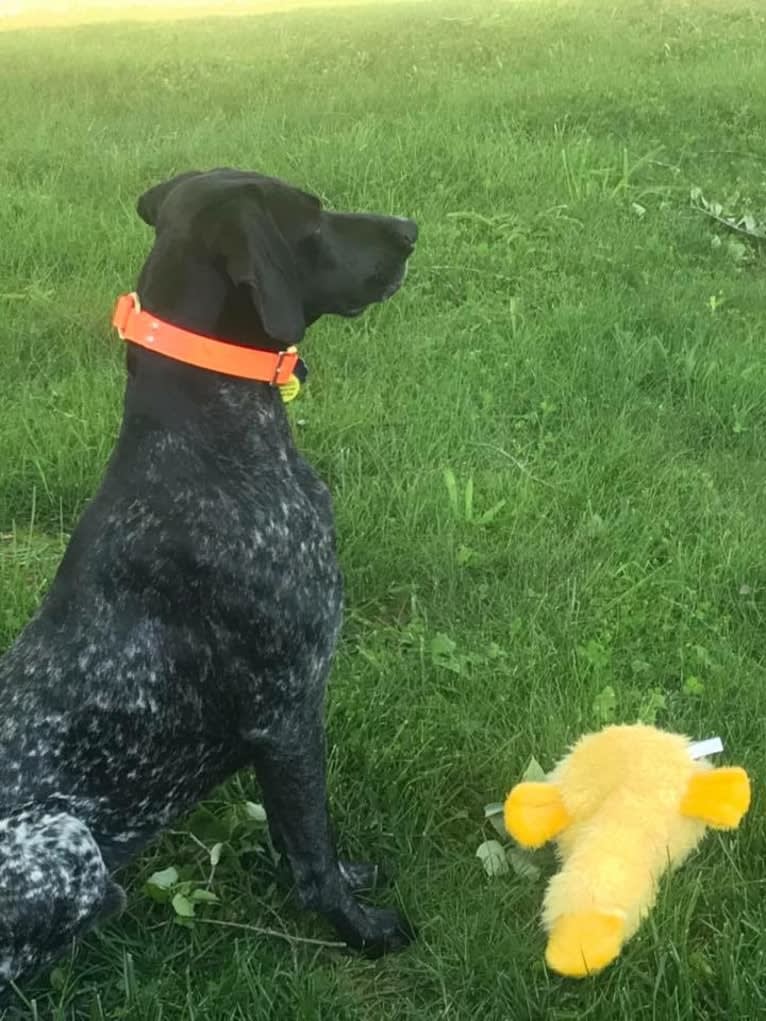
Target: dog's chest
(269, 542)
(265, 592)
(263, 582)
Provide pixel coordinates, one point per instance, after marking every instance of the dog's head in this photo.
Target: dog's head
(263, 252)
(54, 886)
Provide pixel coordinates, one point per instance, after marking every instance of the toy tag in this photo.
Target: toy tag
(701, 749)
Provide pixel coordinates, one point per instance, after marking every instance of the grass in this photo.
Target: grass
(552, 440)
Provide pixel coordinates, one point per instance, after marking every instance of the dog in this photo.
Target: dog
(190, 627)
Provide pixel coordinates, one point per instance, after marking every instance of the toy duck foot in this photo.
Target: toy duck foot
(582, 944)
(534, 813)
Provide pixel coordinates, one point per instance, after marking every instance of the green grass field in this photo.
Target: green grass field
(547, 457)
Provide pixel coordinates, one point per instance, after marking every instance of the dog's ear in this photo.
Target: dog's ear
(55, 887)
(256, 236)
(149, 204)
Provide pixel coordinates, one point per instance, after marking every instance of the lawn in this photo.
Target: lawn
(546, 456)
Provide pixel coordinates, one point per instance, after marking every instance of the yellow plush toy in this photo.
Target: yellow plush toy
(624, 805)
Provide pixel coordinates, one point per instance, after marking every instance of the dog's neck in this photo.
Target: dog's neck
(168, 395)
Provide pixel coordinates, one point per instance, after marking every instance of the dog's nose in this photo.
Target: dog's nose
(407, 231)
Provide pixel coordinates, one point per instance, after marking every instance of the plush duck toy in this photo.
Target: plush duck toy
(625, 804)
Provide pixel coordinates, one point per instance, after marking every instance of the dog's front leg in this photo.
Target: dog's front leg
(292, 772)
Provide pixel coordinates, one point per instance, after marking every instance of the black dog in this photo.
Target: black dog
(190, 628)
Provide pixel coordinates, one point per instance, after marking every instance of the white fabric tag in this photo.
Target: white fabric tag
(701, 749)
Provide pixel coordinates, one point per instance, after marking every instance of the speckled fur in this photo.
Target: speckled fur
(190, 628)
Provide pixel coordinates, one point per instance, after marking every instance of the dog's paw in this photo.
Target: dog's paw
(361, 876)
(386, 932)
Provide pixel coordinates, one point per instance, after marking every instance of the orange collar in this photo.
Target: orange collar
(146, 330)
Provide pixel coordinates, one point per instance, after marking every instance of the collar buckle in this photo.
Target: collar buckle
(127, 305)
(285, 366)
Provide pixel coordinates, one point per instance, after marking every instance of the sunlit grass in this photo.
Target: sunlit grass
(16, 14)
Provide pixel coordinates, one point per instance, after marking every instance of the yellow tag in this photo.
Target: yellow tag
(289, 390)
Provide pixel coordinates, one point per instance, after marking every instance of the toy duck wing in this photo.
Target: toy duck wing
(534, 813)
(718, 797)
